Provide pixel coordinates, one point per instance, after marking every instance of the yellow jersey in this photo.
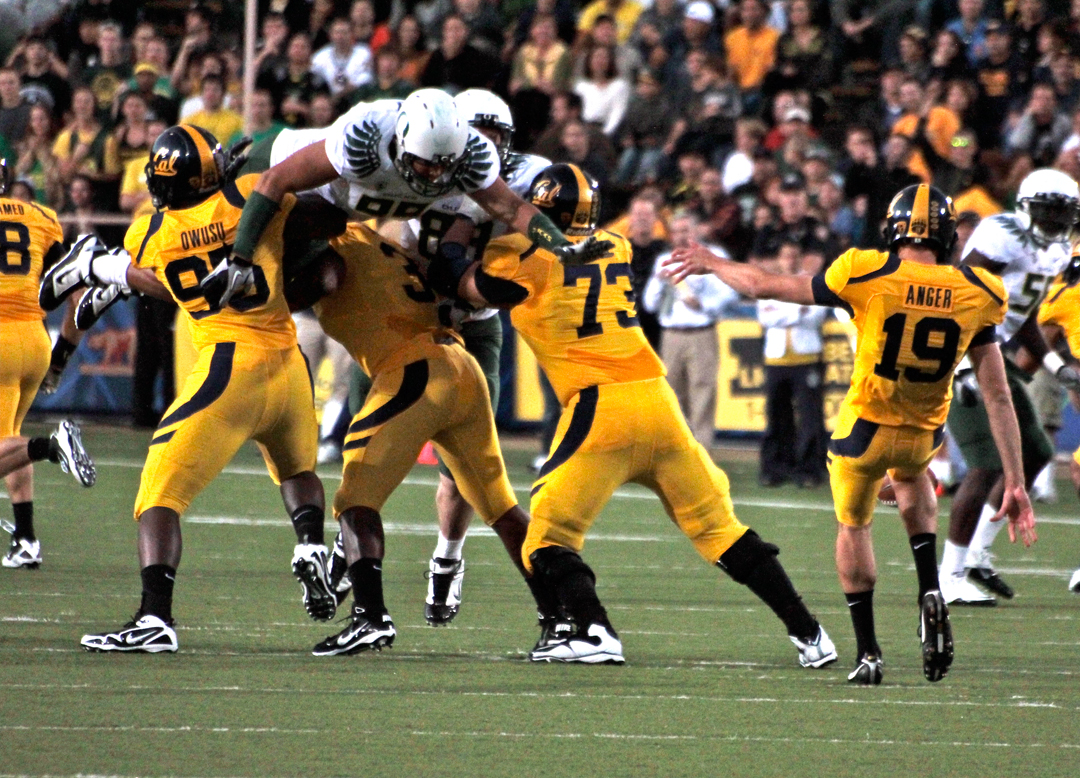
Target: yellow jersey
(384, 314)
(579, 320)
(915, 322)
(183, 246)
(1062, 307)
(30, 240)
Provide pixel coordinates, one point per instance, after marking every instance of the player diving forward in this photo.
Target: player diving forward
(32, 243)
(1027, 249)
(393, 159)
(620, 423)
(425, 387)
(916, 317)
(249, 380)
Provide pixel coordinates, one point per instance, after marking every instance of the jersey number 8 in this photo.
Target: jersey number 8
(14, 240)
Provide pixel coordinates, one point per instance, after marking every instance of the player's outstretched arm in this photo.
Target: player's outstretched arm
(990, 370)
(745, 279)
(481, 290)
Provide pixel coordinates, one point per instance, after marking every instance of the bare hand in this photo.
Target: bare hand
(693, 260)
(1016, 505)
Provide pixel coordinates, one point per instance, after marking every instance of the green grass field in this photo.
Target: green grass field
(711, 684)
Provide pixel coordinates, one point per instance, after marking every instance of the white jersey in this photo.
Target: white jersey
(358, 146)
(1029, 268)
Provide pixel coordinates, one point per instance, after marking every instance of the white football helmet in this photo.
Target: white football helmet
(1050, 200)
(483, 109)
(430, 131)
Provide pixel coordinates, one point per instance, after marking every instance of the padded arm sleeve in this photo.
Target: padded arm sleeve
(499, 291)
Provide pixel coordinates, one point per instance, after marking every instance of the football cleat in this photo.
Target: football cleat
(94, 302)
(553, 629)
(817, 652)
(956, 589)
(362, 634)
(1074, 582)
(340, 584)
(935, 633)
(23, 553)
(144, 634)
(868, 671)
(444, 590)
(73, 270)
(73, 457)
(988, 579)
(309, 565)
(597, 645)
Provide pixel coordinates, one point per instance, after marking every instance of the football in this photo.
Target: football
(887, 494)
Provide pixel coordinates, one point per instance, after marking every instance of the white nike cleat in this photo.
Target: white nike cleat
(596, 646)
(143, 634)
(23, 553)
(73, 270)
(310, 565)
(73, 457)
(1074, 582)
(362, 634)
(817, 652)
(958, 590)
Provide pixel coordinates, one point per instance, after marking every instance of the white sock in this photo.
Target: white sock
(952, 559)
(1044, 481)
(942, 468)
(330, 412)
(448, 549)
(111, 268)
(985, 532)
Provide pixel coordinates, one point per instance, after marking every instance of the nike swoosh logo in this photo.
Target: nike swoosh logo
(920, 545)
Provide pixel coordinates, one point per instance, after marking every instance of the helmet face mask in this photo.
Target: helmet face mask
(429, 137)
(921, 215)
(1051, 201)
(568, 196)
(485, 110)
(7, 176)
(186, 166)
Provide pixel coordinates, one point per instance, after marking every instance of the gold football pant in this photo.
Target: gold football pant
(442, 399)
(235, 392)
(24, 360)
(613, 434)
(862, 452)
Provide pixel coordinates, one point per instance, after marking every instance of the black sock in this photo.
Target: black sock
(24, 520)
(39, 449)
(924, 549)
(307, 521)
(861, 606)
(565, 574)
(157, 582)
(547, 604)
(366, 577)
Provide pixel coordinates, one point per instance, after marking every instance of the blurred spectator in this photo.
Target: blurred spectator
(294, 84)
(793, 447)
(751, 49)
(146, 80)
(80, 203)
(882, 114)
(1041, 130)
(272, 43)
(36, 163)
(793, 122)
(1030, 15)
(263, 124)
(913, 56)
(691, 163)
(44, 76)
(323, 111)
(1001, 81)
(211, 64)
(563, 11)
(837, 215)
(941, 125)
(485, 26)
(738, 168)
(719, 216)
(411, 47)
(343, 64)
(196, 42)
(709, 107)
(698, 31)
(641, 230)
(224, 124)
(322, 11)
(627, 58)
(871, 181)
(387, 83)
(794, 224)
(134, 195)
(85, 45)
(22, 190)
(565, 108)
(157, 54)
(141, 36)
(948, 60)
(362, 17)
(107, 71)
(14, 110)
(665, 16)
(604, 95)
(643, 133)
(544, 62)
(80, 148)
(1063, 78)
(689, 347)
(457, 64)
(624, 12)
(970, 26)
(577, 148)
(804, 58)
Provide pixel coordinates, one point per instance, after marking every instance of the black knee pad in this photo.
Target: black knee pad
(745, 555)
(555, 563)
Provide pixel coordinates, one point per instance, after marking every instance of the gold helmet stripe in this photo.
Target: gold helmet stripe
(206, 154)
(585, 194)
(919, 224)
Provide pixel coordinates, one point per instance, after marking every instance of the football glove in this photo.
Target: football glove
(61, 353)
(585, 251)
(235, 157)
(966, 387)
(229, 279)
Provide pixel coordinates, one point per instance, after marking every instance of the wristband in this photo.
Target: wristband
(61, 352)
(259, 211)
(1053, 362)
(543, 232)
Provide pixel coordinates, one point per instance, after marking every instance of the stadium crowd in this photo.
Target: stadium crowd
(775, 130)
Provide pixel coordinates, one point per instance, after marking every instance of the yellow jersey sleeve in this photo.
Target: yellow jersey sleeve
(1062, 308)
(30, 240)
(510, 258)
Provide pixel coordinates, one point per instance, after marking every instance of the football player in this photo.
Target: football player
(620, 423)
(460, 221)
(388, 158)
(425, 387)
(1027, 249)
(916, 317)
(1059, 318)
(249, 380)
(31, 240)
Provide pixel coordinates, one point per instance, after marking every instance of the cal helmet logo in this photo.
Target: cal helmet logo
(165, 163)
(546, 192)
